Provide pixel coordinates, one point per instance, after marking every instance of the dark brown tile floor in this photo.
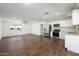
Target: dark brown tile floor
(32, 45)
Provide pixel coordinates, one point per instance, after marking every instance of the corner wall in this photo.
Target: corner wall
(6, 28)
(36, 28)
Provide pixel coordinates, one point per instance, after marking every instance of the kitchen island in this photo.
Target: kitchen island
(72, 43)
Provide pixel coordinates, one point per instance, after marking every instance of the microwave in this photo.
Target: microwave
(56, 25)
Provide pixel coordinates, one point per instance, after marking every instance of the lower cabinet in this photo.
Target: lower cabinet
(62, 35)
(72, 43)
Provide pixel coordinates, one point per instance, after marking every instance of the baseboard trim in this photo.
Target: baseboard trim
(13, 36)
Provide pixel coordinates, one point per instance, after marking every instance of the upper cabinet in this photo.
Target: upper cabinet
(75, 17)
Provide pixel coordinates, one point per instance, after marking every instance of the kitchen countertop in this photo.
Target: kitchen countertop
(73, 35)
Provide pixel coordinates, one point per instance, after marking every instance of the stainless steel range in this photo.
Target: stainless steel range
(56, 32)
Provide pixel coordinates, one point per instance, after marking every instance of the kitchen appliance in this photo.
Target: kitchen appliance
(56, 32)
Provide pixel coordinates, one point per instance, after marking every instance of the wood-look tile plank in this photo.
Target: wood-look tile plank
(33, 45)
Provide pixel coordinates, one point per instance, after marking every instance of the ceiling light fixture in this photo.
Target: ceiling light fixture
(45, 17)
(57, 13)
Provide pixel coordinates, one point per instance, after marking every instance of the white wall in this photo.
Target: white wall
(36, 28)
(29, 28)
(6, 28)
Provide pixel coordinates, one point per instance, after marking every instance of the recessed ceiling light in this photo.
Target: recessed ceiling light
(45, 17)
(57, 13)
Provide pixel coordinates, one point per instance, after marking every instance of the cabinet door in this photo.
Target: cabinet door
(66, 23)
(72, 43)
(62, 35)
(75, 17)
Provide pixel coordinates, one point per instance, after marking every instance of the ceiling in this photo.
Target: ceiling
(36, 11)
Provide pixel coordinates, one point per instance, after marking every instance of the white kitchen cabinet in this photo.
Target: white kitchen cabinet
(75, 17)
(66, 27)
(62, 35)
(66, 23)
(72, 43)
(66, 31)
